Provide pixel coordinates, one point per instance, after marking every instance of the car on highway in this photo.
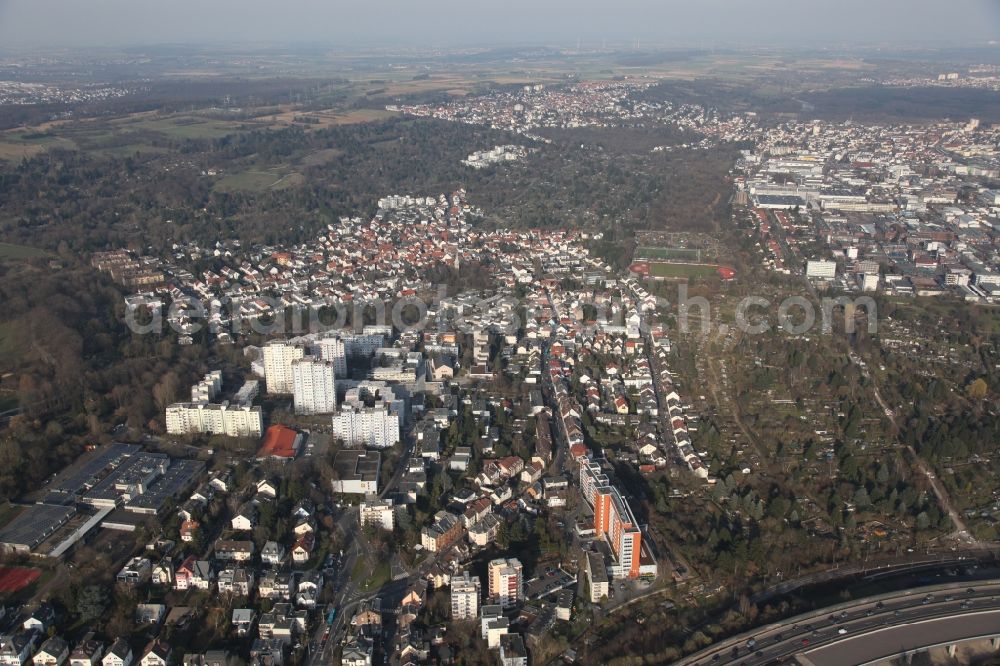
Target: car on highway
(842, 631)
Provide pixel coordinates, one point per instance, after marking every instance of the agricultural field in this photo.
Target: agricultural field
(314, 120)
(181, 127)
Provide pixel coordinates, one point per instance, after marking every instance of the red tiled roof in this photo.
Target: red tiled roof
(278, 441)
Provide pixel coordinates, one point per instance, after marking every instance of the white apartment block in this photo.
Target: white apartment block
(374, 427)
(278, 357)
(379, 513)
(185, 418)
(363, 345)
(207, 388)
(314, 388)
(334, 350)
(465, 597)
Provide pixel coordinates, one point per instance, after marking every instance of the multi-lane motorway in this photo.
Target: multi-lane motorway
(869, 629)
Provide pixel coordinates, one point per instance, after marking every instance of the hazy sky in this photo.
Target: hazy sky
(463, 22)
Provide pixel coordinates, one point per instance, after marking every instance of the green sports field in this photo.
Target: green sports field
(664, 270)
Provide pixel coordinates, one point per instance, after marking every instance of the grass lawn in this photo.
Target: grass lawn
(380, 576)
(7, 344)
(10, 251)
(685, 254)
(258, 180)
(8, 512)
(681, 270)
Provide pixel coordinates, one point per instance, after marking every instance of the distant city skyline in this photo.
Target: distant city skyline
(445, 23)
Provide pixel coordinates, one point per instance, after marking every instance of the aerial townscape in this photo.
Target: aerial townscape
(399, 335)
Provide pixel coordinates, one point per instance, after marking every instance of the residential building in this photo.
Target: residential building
(53, 652)
(465, 592)
(333, 349)
(496, 629)
(278, 357)
(16, 648)
(119, 654)
(314, 388)
(484, 532)
(237, 581)
(564, 605)
(379, 513)
(272, 553)
(155, 654)
(184, 418)
(445, 531)
(242, 620)
(375, 427)
(487, 614)
(506, 581)
(613, 518)
(137, 570)
(597, 577)
(87, 653)
(149, 613)
(512, 652)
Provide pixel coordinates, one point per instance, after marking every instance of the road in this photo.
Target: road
(345, 589)
(347, 594)
(815, 633)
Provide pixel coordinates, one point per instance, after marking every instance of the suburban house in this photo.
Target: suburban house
(53, 652)
(233, 551)
(16, 649)
(119, 654)
(87, 653)
(272, 553)
(155, 654)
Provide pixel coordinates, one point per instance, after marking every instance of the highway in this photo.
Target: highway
(868, 629)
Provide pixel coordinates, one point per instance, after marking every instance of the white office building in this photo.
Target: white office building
(278, 357)
(314, 389)
(465, 597)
